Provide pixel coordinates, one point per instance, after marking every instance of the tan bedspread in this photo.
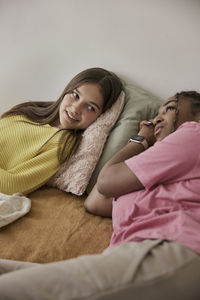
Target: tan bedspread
(56, 228)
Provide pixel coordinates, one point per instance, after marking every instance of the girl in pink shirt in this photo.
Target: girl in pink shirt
(156, 191)
(151, 188)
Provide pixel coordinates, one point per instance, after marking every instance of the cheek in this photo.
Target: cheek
(171, 119)
(66, 101)
(89, 119)
(95, 116)
(171, 124)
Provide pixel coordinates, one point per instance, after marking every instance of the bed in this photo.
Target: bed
(56, 228)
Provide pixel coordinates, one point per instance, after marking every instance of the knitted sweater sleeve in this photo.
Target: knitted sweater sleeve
(28, 156)
(29, 175)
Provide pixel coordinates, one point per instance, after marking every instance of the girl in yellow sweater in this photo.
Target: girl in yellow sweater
(36, 137)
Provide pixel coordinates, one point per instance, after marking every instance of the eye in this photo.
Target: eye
(168, 108)
(75, 95)
(91, 108)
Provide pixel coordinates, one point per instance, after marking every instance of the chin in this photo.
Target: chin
(159, 138)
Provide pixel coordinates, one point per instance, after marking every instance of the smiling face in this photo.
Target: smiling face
(81, 108)
(171, 115)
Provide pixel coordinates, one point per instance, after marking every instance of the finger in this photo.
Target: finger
(145, 123)
(148, 123)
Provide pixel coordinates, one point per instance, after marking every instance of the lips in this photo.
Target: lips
(71, 117)
(157, 130)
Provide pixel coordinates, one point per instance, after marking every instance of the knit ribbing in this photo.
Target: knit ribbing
(28, 154)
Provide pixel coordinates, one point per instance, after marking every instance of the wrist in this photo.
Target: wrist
(140, 140)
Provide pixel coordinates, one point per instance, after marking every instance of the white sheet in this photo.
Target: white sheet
(13, 207)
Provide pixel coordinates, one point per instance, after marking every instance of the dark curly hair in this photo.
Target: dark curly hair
(193, 96)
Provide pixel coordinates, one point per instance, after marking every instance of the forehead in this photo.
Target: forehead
(183, 103)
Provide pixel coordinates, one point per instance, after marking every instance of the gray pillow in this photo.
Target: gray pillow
(139, 105)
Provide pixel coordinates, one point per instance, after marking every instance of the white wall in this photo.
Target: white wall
(43, 43)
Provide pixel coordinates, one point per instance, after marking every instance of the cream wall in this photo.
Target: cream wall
(154, 43)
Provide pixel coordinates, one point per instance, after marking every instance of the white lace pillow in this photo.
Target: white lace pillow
(74, 175)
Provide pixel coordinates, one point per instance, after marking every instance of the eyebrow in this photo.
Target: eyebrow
(170, 102)
(90, 102)
(165, 104)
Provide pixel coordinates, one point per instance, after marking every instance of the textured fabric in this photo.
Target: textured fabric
(169, 206)
(149, 270)
(28, 156)
(13, 207)
(140, 105)
(56, 228)
(7, 265)
(75, 174)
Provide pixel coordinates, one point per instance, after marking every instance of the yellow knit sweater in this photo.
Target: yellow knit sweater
(28, 154)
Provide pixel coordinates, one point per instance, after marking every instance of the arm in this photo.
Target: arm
(98, 204)
(115, 178)
(29, 175)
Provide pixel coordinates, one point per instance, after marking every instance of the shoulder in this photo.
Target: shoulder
(194, 126)
(187, 132)
(181, 143)
(10, 120)
(14, 118)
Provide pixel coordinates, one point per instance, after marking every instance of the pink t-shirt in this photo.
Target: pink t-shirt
(169, 206)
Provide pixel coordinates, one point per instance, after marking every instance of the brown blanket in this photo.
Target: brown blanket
(56, 228)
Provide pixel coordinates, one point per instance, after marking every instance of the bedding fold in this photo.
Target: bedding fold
(13, 207)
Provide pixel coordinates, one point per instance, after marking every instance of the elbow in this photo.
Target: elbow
(99, 209)
(103, 186)
(109, 182)
(91, 204)
(91, 207)
(98, 204)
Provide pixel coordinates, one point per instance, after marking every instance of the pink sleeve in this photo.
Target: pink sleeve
(169, 160)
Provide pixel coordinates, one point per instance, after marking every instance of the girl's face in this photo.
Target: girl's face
(81, 107)
(171, 115)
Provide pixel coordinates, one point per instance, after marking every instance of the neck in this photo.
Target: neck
(197, 117)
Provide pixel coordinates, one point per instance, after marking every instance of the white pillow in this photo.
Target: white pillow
(74, 175)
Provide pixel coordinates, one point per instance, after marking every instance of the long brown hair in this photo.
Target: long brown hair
(47, 112)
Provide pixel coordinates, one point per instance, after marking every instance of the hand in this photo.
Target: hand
(147, 130)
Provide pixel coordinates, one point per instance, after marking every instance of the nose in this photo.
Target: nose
(76, 108)
(157, 119)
